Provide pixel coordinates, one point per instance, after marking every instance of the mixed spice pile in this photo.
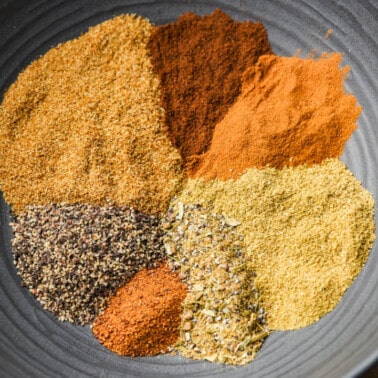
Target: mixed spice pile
(179, 187)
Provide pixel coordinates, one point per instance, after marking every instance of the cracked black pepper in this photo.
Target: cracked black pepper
(72, 257)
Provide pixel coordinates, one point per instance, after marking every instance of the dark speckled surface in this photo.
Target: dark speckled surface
(345, 342)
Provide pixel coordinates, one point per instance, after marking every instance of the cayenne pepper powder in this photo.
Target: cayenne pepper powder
(143, 317)
(291, 111)
(200, 61)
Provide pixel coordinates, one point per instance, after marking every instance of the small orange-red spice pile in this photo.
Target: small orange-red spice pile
(143, 318)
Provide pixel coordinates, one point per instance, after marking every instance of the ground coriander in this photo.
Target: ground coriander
(307, 232)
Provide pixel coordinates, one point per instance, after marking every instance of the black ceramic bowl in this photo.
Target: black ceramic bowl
(345, 342)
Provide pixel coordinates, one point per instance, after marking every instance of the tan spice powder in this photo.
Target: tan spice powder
(307, 233)
(83, 123)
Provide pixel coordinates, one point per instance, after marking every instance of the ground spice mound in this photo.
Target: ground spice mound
(143, 317)
(200, 61)
(307, 233)
(291, 111)
(222, 319)
(73, 257)
(84, 124)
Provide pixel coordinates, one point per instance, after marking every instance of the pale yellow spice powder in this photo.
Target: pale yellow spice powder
(307, 233)
(83, 123)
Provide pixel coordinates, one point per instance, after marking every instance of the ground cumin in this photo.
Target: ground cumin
(291, 111)
(83, 123)
(143, 317)
(307, 233)
(200, 61)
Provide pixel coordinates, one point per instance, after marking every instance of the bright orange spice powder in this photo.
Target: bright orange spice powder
(143, 318)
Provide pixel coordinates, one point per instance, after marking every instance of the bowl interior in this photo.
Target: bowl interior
(344, 342)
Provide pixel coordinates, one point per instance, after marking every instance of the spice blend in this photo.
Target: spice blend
(200, 61)
(267, 233)
(143, 317)
(72, 257)
(222, 319)
(84, 124)
(307, 232)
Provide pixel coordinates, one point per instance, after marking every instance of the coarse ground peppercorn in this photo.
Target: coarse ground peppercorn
(73, 257)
